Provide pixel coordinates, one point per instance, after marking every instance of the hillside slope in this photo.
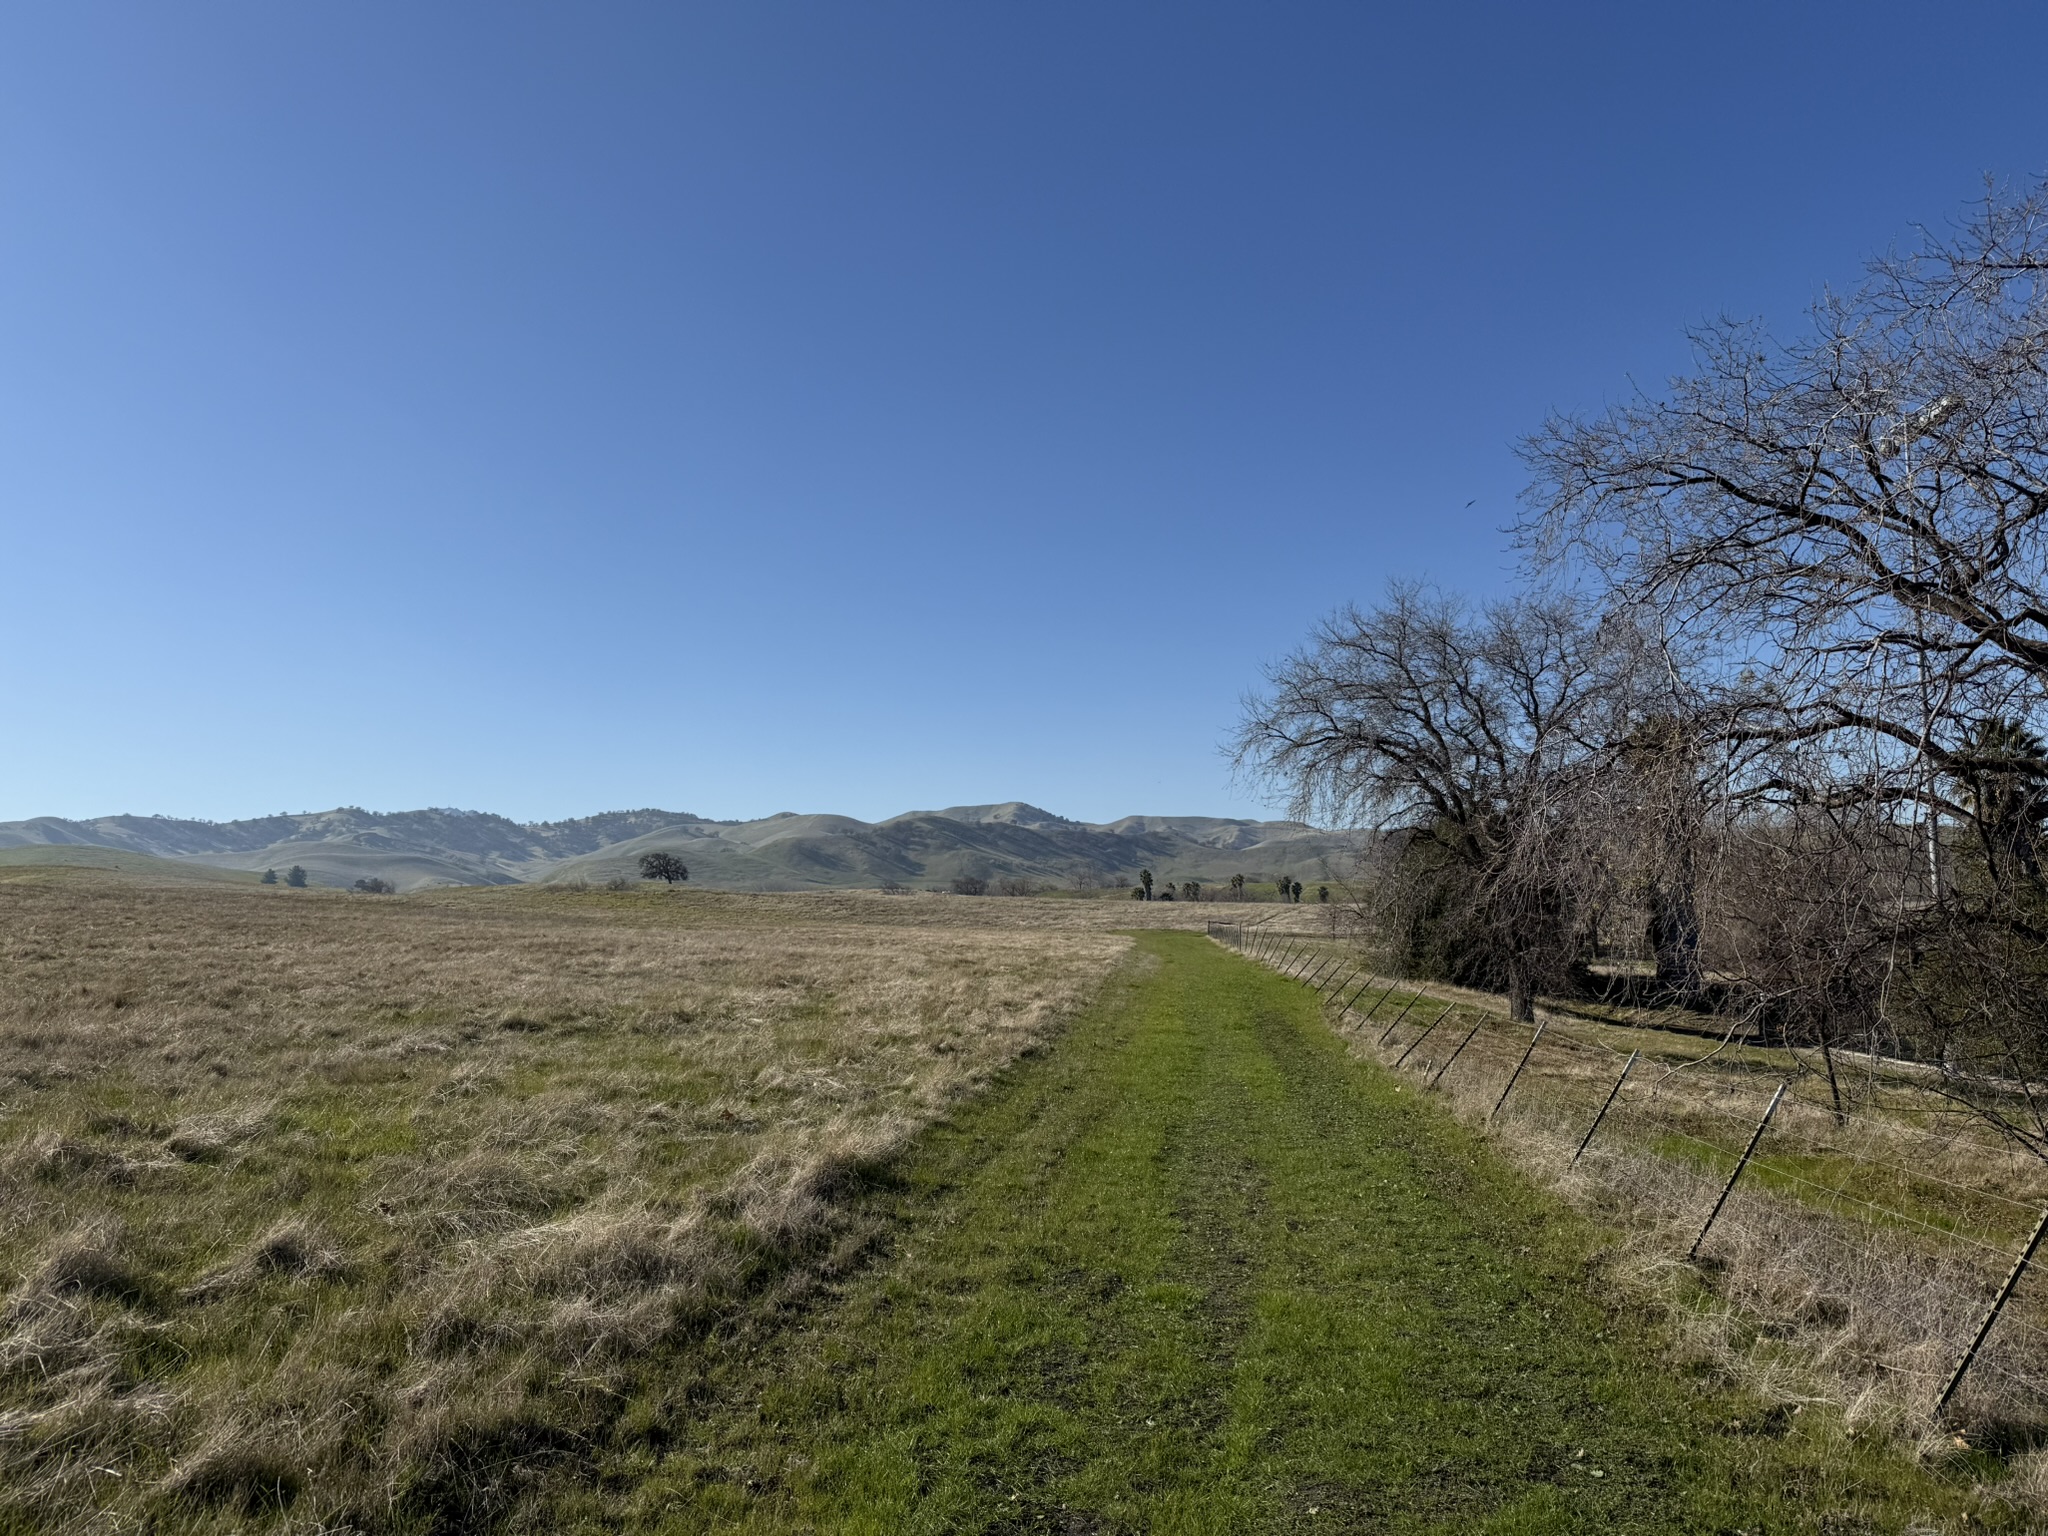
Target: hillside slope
(783, 852)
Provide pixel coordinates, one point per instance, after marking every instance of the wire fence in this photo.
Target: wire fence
(1885, 1251)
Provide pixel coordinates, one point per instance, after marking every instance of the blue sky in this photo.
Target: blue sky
(852, 406)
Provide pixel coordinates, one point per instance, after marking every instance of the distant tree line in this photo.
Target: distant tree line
(1765, 734)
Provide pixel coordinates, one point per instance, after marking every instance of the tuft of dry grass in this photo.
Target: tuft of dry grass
(346, 1213)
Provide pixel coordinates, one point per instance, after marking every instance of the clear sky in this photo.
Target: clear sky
(848, 406)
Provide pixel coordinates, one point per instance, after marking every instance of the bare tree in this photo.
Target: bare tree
(1853, 524)
(1459, 731)
(1858, 515)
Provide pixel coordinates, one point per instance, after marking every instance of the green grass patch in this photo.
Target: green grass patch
(1197, 1270)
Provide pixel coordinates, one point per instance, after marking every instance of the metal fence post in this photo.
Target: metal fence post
(1392, 988)
(1421, 1037)
(2012, 1280)
(1516, 1075)
(1587, 1141)
(1363, 988)
(1413, 999)
(1340, 986)
(1440, 1071)
(1388, 1033)
(1741, 1163)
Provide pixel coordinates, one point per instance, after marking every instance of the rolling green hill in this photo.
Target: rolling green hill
(75, 856)
(785, 852)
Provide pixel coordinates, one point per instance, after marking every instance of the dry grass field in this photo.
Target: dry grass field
(331, 1211)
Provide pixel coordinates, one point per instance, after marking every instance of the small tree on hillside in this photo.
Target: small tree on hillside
(295, 877)
(270, 877)
(663, 866)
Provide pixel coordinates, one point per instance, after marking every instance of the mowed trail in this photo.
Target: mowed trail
(1197, 1270)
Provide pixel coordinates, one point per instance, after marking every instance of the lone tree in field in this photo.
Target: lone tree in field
(295, 877)
(663, 866)
(269, 877)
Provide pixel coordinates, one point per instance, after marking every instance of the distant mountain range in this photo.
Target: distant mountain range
(784, 852)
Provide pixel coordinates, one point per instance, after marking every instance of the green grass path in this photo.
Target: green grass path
(1195, 1270)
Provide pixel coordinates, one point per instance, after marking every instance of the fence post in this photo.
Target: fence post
(1516, 1075)
(1626, 1068)
(1388, 1033)
(1340, 986)
(2012, 1280)
(1741, 1163)
(1392, 988)
(1440, 1071)
(1413, 999)
(1355, 996)
(1421, 1037)
(1316, 976)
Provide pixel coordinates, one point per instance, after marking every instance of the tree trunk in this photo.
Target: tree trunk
(1521, 995)
(1675, 940)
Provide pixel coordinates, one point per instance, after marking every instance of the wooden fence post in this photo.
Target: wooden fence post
(1515, 1076)
(2012, 1280)
(1741, 1163)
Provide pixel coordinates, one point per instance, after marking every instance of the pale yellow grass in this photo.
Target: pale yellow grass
(332, 1210)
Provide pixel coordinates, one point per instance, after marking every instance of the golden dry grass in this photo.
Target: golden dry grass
(338, 1211)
